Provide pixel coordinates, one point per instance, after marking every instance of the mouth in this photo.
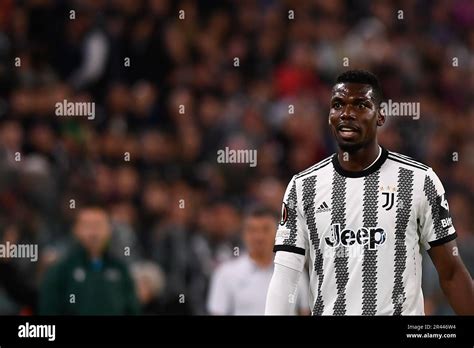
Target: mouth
(347, 132)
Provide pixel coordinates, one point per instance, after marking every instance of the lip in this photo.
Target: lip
(349, 127)
(348, 132)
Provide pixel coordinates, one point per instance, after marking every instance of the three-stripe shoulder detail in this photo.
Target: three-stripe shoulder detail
(314, 168)
(407, 161)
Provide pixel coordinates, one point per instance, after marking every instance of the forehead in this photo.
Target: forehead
(351, 89)
(260, 219)
(92, 214)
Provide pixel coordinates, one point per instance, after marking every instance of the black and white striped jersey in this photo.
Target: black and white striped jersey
(362, 233)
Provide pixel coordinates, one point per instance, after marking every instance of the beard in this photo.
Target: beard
(353, 147)
(350, 147)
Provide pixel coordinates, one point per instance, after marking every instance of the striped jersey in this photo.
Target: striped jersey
(362, 233)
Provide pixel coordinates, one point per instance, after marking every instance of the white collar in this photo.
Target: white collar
(380, 154)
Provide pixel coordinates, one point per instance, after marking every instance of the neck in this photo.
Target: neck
(359, 159)
(262, 260)
(95, 255)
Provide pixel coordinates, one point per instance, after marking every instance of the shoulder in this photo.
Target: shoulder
(408, 162)
(60, 268)
(314, 168)
(232, 268)
(423, 175)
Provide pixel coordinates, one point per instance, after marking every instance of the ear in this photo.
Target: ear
(380, 117)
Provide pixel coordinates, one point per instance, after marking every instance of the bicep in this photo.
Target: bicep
(282, 291)
(292, 235)
(446, 259)
(303, 293)
(434, 219)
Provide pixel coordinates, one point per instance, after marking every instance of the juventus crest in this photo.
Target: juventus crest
(388, 196)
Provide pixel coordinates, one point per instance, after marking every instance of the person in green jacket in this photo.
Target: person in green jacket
(88, 280)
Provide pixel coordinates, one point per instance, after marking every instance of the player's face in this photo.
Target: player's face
(354, 115)
(259, 234)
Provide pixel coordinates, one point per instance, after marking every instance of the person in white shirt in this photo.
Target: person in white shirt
(239, 287)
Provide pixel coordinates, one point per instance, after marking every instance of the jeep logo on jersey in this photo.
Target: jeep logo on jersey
(373, 237)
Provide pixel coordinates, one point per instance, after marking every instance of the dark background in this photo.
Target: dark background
(189, 62)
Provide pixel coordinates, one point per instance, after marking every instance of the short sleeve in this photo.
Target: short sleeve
(435, 223)
(291, 233)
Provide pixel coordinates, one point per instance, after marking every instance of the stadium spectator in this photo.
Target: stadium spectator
(89, 281)
(150, 285)
(239, 286)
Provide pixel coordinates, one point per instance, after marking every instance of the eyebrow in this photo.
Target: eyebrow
(363, 99)
(355, 99)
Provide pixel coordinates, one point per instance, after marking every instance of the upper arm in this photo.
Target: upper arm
(435, 224)
(291, 236)
(303, 294)
(446, 259)
(281, 291)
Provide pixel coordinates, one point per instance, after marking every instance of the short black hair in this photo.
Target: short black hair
(261, 211)
(365, 77)
(91, 204)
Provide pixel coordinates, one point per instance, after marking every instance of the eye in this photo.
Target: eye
(336, 105)
(361, 106)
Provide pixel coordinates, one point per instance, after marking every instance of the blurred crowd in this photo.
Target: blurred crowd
(169, 94)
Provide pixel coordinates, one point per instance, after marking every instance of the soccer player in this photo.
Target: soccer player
(360, 217)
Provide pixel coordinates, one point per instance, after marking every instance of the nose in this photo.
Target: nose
(348, 113)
